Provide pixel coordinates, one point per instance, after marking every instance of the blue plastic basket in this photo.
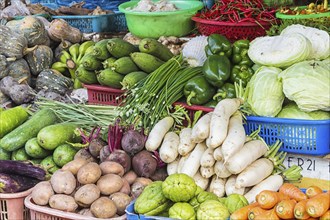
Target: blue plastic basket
(110, 23)
(47, 3)
(131, 215)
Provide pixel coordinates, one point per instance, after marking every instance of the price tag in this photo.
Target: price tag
(312, 167)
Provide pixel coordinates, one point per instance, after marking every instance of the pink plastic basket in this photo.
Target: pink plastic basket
(46, 213)
(12, 206)
(104, 95)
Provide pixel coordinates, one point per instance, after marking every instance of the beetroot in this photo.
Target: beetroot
(132, 142)
(122, 158)
(144, 164)
(95, 146)
(104, 153)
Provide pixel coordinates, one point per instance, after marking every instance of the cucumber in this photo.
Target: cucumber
(110, 78)
(90, 62)
(120, 48)
(108, 62)
(100, 50)
(12, 118)
(146, 62)
(154, 47)
(20, 154)
(20, 135)
(85, 76)
(124, 65)
(132, 78)
(34, 150)
(52, 136)
(4, 155)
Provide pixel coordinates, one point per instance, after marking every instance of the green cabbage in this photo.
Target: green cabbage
(264, 92)
(308, 84)
(235, 201)
(292, 111)
(280, 51)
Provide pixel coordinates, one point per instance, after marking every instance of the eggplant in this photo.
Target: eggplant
(22, 169)
(13, 183)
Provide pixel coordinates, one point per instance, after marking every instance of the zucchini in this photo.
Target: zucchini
(146, 62)
(4, 155)
(154, 47)
(33, 149)
(12, 183)
(110, 78)
(90, 62)
(120, 48)
(85, 76)
(12, 118)
(132, 78)
(52, 136)
(20, 154)
(22, 168)
(100, 50)
(124, 66)
(20, 135)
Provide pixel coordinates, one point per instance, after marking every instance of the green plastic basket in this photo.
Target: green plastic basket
(155, 24)
(319, 15)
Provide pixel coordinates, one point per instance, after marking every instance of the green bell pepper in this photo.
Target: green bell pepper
(241, 72)
(219, 44)
(216, 70)
(212, 103)
(226, 91)
(198, 91)
(240, 53)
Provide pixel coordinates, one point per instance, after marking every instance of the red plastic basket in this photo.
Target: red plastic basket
(104, 95)
(232, 31)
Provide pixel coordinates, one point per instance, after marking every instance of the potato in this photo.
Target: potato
(87, 194)
(63, 181)
(109, 184)
(108, 167)
(121, 201)
(42, 192)
(63, 202)
(126, 188)
(84, 154)
(130, 176)
(86, 212)
(74, 165)
(138, 186)
(103, 208)
(89, 173)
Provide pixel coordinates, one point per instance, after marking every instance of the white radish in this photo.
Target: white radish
(221, 170)
(192, 164)
(181, 162)
(250, 152)
(217, 186)
(158, 132)
(255, 173)
(173, 166)
(230, 186)
(168, 151)
(207, 159)
(217, 154)
(206, 172)
(273, 183)
(201, 129)
(235, 138)
(220, 120)
(201, 181)
(186, 145)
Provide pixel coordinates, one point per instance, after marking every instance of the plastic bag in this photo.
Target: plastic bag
(17, 8)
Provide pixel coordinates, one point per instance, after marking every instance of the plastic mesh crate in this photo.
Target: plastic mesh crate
(113, 23)
(47, 3)
(232, 31)
(12, 206)
(104, 95)
(298, 136)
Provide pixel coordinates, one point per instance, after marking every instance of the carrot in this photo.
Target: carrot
(313, 191)
(242, 213)
(254, 212)
(292, 191)
(285, 208)
(318, 205)
(325, 216)
(267, 199)
(268, 214)
(300, 211)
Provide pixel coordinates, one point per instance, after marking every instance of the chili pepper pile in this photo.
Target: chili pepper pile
(239, 11)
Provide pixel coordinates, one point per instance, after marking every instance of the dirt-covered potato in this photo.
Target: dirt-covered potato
(103, 208)
(108, 167)
(109, 184)
(63, 181)
(121, 201)
(89, 173)
(86, 212)
(74, 165)
(42, 192)
(87, 194)
(63, 202)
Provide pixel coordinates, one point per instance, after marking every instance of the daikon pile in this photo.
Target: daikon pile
(220, 156)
